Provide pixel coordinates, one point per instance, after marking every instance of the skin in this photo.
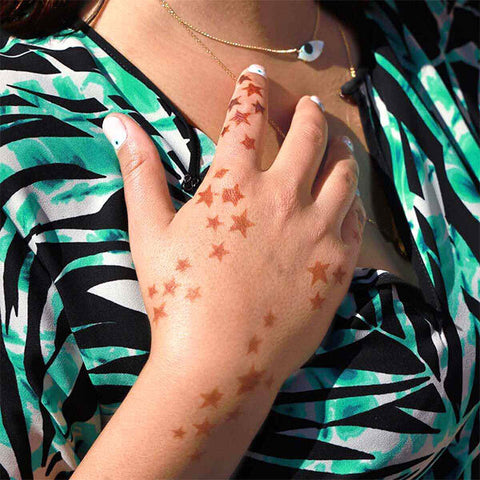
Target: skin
(144, 32)
(285, 254)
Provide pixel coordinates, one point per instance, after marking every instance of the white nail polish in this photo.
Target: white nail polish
(114, 131)
(258, 69)
(346, 140)
(316, 100)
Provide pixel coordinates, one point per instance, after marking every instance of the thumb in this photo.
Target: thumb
(149, 206)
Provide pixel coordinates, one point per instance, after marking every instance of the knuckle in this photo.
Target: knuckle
(286, 200)
(312, 129)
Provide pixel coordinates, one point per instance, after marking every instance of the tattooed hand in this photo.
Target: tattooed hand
(249, 273)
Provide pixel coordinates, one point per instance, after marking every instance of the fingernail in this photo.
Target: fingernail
(316, 100)
(357, 192)
(346, 140)
(254, 68)
(114, 130)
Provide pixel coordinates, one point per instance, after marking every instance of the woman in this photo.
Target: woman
(389, 392)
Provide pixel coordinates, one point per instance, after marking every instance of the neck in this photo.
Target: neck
(271, 23)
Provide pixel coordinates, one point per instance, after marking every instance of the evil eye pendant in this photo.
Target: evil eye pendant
(310, 51)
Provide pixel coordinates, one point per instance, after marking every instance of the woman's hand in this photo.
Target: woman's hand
(254, 266)
(240, 287)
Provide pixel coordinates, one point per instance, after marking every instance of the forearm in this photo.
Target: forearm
(163, 427)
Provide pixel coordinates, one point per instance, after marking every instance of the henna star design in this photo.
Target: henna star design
(152, 291)
(259, 107)
(253, 345)
(241, 117)
(193, 294)
(318, 272)
(206, 196)
(225, 130)
(203, 428)
(241, 223)
(211, 399)
(159, 312)
(248, 142)
(249, 381)
(169, 287)
(243, 78)
(218, 251)
(179, 433)
(220, 173)
(232, 195)
(316, 301)
(182, 265)
(251, 89)
(214, 222)
(233, 102)
(269, 319)
(339, 273)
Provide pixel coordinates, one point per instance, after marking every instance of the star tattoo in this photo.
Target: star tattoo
(269, 319)
(253, 345)
(250, 380)
(248, 142)
(241, 223)
(259, 107)
(220, 173)
(159, 312)
(243, 78)
(233, 102)
(179, 433)
(182, 265)
(219, 251)
(233, 195)
(203, 428)
(316, 301)
(193, 294)
(211, 399)
(206, 196)
(241, 117)
(226, 128)
(339, 273)
(251, 89)
(169, 287)
(318, 272)
(152, 291)
(214, 222)
(233, 415)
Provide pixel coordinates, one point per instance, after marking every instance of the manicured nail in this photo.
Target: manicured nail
(357, 192)
(114, 130)
(316, 100)
(254, 68)
(346, 140)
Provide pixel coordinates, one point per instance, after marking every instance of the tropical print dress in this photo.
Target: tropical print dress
(392, 391)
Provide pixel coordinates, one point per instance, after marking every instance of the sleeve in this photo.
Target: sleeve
(45, 386)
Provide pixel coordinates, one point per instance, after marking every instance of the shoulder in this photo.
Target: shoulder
(53, 154)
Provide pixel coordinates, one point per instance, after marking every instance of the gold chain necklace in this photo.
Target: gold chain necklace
(308, 52)
(190, 28)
